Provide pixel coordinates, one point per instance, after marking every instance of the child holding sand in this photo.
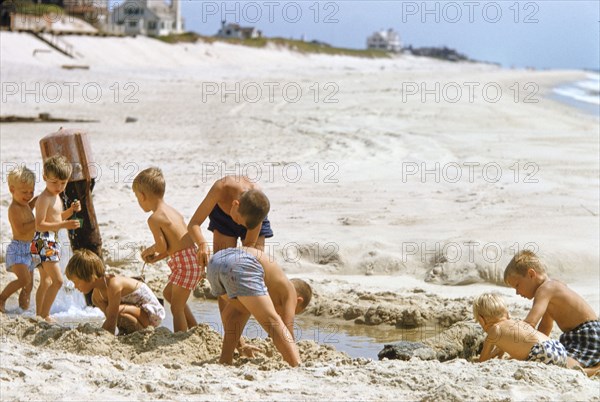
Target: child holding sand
(554, 301)
(19, 261)
(49, 219)
(171, 238)
(126, 303)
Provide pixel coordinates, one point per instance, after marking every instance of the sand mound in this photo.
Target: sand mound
(199, 345)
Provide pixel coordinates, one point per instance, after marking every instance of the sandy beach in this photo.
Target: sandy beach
(398, 205)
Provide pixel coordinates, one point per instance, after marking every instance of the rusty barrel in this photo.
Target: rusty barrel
(74, 145)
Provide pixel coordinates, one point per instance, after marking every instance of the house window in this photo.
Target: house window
(133, 24)
(228, 32)
(151, 24)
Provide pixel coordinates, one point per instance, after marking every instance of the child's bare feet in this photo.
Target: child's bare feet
(50, 320)
(24, 299)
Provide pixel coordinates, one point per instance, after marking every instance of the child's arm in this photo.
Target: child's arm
(546, 324)
(204, 209)
(252, 237)
(33, 201)
(490, 350)
(112, 309)
(538, 311)
(158, 250)
(67, 213)
(288, 313)
(42, 225)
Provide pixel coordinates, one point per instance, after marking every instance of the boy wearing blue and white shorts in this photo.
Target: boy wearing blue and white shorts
(239, 277)
(21, 182)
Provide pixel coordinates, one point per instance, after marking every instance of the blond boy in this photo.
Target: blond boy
(517, 338)
(49, 219)
(21, 182)
(554, 301)
(240, 277)
(171, 238)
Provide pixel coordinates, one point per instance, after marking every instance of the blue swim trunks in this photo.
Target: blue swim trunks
(237, 273)
(548, 352)
(45, 245)
(18, 252)
(223, 223)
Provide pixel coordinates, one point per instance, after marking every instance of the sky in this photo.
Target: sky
(541, 34)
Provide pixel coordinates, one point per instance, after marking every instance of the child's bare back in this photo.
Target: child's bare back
(173, 227)
(515, 337)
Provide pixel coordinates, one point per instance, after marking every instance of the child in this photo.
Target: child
(49, 219)
(241, 277)
(170, 239)
(236, 208)
(127, 304)
(517, 338)
(554, 301)
(21, 182)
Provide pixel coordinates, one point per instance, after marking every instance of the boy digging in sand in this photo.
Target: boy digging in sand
(554, 301)
(127, 304)
(49, 219)
(171, 238)
(240, 278)
(19, 261)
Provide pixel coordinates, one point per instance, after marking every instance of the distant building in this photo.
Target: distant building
(148, 17)
(385, 40)
(238, 32)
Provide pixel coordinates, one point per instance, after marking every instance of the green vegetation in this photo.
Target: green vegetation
(294, 45)
(32, 8)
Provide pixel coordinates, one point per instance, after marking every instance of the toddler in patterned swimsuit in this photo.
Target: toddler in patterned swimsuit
(127, 303)
(171, 238)
(517, 338)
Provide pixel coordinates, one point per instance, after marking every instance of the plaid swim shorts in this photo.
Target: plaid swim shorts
(549, 352)
(583, 343)
(185, 271)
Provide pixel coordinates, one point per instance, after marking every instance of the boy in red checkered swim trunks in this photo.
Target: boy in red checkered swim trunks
(171, 238)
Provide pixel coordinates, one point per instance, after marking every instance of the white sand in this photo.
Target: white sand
(358, 224)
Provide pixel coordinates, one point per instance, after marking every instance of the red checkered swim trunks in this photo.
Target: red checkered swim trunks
(185, 271)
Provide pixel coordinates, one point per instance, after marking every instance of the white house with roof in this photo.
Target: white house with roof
(385, 40)
(148, 17)
(238, 32)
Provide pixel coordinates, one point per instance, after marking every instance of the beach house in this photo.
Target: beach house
(148, 17)
(236, 31)
(385, 40)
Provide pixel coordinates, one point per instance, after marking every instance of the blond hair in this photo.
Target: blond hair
(254, 207)
(303, 290)
(150, 181)
(21, 175)
(489, 305)
(85, 265)
(522, 262)
(58, 166)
